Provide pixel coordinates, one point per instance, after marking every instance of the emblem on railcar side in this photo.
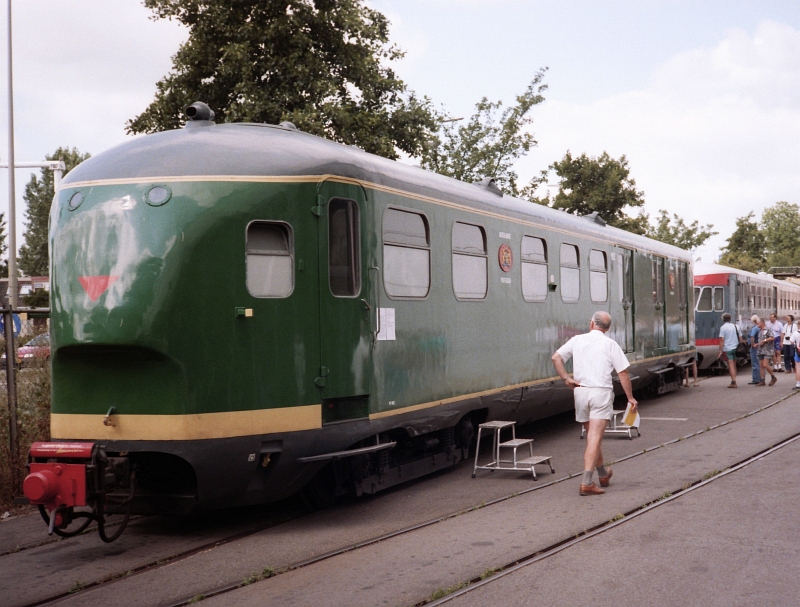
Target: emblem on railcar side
(505, 257)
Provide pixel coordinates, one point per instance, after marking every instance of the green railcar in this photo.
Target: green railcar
(239, 307)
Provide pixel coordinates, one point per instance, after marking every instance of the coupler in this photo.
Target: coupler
(70, 475)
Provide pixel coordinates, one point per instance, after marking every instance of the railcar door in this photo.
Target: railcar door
(625, 277)
(683, 300)
(345, 311)
(660, 317)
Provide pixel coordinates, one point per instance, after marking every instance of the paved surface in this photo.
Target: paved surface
(735, 541)
(407, 569)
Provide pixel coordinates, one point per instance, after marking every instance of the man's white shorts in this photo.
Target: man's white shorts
(593, 403)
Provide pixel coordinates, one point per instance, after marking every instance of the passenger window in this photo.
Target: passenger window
(269, 259)
(534, 269)
(719, 299)
(598, 276)
(696, 296)
(570, 273)
(406, 254)
(704, 301)
(344, 267)
(470, 264)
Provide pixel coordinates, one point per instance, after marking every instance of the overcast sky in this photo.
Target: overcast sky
(703, 98)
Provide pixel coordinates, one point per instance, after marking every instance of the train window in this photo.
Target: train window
(598, 276)
(534, 269)
(570, 273)
(470, 264)
(657, 275)
(704, 301)
(696, 296)
(344, 252)
(406, 254)
(269, 259)
(719, 299)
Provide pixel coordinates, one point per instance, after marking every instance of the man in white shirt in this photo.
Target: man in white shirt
(777, 330)
(729, 338)
(595, 356)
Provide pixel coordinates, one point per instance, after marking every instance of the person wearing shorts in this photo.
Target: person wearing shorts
(766, 352)
(776, 327)
(729, 338)
(594, 357)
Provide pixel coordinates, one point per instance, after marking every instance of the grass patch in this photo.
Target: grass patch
(266, 572)
(440, 593)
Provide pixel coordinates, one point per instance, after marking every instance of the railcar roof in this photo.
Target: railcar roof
(241, 149)
(701, 269)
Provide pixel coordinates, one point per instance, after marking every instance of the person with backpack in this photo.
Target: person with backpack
(729, 338)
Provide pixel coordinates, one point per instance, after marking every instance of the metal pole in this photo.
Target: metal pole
(11, 385)
(12, 211)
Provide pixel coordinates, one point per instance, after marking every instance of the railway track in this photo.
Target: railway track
(267, 573)
(552, 550)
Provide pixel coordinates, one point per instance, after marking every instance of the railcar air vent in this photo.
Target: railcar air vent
(489, 184)
(595, 217)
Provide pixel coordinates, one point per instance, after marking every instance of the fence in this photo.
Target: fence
(24, 394)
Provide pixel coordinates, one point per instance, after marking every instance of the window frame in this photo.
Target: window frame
(291, 255)
(545, 263)
(561, 268)
(592, 271)
(427, 225)
(454, 252)
(358, 251)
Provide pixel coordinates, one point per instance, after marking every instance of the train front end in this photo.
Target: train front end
(173, 387)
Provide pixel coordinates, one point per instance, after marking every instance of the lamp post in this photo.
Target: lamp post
(12, 207)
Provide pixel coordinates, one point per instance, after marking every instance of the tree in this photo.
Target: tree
(780, 227)
(601, 185)
(746, 248)
(33, 255)
(321, 64)
(488, 144)
(676, 232)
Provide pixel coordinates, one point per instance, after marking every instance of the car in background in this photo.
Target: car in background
(37, 348)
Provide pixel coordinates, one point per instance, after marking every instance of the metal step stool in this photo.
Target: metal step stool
(616, 426)
(515, 443)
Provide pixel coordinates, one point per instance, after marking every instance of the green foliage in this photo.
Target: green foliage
(33, 257)
(676, 232)
(780, 226)
(601, 185)
(772, 242)
(489, 143)
(746, 248)
(321, 64)
(38, 299)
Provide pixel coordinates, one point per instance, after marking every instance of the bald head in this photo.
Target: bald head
(602, 321)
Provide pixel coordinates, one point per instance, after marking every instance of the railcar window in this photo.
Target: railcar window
(344, 267)
(570, 273)
(658, 280)
(598, 276)
(269, 259)
(704, 302)
(470, 263)
(696, 296)
(534, 269)
(406, 254)
(719, 299)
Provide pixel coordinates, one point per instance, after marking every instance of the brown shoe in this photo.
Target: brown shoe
(591, 489)
(733, 385)
(604, 479)
(773, 381)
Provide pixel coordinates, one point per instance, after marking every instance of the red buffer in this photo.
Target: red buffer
(69, 475)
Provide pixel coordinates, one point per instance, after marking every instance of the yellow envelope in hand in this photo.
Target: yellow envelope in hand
(630, 418)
